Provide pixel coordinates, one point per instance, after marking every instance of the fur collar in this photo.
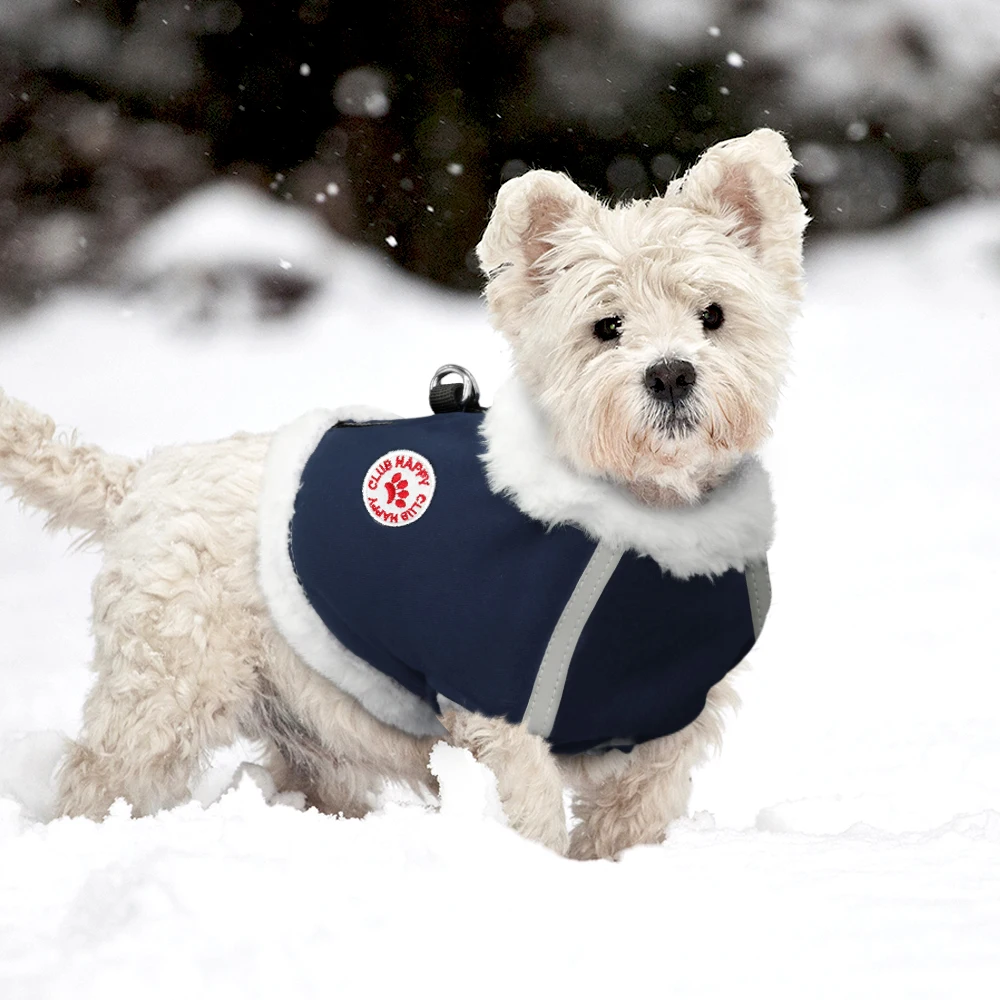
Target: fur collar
(733, 525)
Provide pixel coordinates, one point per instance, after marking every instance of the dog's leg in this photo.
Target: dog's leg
(636, 804)
(329, 746)
(339, 789)
(628, 799)
(528, 780)
(169, 689)
(142, 747)
(298, 760)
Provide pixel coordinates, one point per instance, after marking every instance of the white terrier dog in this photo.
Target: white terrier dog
(573, 575)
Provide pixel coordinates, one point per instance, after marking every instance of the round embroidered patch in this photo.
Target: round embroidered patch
(398, 487)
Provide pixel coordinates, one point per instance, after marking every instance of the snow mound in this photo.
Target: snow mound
(467, 788)
(27, 768)
(227, 223)
(229, 253)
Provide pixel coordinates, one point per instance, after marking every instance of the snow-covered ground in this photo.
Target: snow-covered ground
(846, 842)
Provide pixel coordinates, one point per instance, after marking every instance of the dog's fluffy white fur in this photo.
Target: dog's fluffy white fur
(201, 633)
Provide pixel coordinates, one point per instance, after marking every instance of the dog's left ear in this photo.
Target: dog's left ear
(747, 183)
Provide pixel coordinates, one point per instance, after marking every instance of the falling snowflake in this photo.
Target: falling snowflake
(363, 92)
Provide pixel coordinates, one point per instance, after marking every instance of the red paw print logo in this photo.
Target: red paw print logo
(397, 490)
(398, 487)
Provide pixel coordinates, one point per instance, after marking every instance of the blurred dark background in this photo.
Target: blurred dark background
(400, 120)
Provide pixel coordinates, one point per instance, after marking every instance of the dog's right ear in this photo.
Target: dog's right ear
(529, 211)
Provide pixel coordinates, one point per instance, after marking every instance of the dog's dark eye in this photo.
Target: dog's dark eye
(712, 317)
(609, 328)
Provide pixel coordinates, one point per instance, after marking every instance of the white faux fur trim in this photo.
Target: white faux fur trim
(733, 525)
(293, 615)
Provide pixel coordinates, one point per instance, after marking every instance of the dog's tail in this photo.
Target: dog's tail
(76, 485)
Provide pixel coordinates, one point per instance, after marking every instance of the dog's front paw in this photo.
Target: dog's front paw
(582, 846)
(609, 840)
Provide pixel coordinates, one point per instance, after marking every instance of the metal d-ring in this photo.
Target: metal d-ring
(470, 390)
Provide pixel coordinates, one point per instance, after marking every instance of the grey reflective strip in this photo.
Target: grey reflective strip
(759, 589)
(540, 715)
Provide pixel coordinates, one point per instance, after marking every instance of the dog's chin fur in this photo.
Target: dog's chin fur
(725, 528)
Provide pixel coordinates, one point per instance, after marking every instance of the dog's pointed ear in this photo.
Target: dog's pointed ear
(747, 183)
(528, 211)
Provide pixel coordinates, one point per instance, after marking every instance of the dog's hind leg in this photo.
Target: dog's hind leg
(141, 749)
(335, 788)
(299, 761)
(165, 696)
(144, 746)
(336, 752)
(528, 779)
(144, 763)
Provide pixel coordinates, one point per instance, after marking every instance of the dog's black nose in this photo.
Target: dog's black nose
(670, 381)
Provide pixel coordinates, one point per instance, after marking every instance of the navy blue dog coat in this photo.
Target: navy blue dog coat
(418, 568)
